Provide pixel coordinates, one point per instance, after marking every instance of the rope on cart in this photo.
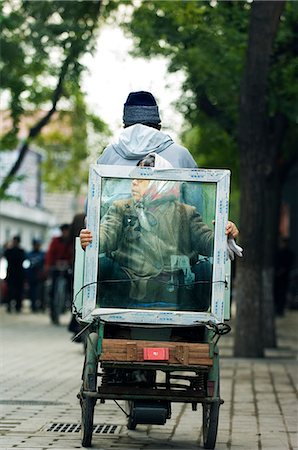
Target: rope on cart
(123, 410)
(74, 308)
(129, 280)
(82, 331)
(219, 329)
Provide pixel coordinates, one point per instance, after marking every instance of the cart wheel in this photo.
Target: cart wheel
(131, 423)
(210, 424)
(210, 421)
(89, 384)
(87, 407)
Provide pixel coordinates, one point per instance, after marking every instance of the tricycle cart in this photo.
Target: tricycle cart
(152, 340)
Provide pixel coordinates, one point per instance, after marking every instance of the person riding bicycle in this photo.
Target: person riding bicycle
(58, 262)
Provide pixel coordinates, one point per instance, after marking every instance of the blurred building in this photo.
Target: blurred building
(29, 211)
(23, 213)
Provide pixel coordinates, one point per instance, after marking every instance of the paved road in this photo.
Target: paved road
(40, 377)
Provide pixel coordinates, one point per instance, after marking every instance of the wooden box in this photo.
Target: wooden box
(180, 353)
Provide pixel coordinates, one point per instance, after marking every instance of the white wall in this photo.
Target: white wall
(29, 223)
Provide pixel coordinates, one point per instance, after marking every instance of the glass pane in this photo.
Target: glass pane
(156, 244)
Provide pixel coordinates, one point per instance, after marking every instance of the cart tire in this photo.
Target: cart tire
(87, 407)
(89, 384)
(210, 424)
(210, 421)
(131, 423)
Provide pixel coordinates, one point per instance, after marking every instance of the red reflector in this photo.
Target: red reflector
(210, 388)
(156, 354)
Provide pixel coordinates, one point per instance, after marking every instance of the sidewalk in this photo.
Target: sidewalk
(40, 377)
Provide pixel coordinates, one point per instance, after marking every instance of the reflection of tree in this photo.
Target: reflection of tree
(202, 196)
(113, 189)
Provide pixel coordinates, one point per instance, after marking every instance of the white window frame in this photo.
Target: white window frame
(220, 261)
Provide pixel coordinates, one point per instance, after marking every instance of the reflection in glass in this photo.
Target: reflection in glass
(156, 244)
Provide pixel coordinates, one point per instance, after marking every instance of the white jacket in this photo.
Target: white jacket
(136, 141)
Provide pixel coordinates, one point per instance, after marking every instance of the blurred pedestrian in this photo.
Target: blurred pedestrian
(15, 278)
(75, 227)
(35, 276)
(58, 263)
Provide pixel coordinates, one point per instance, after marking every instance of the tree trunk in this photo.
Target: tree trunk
(253, 146)
(271, 215)
(272, 192)
(36, 129)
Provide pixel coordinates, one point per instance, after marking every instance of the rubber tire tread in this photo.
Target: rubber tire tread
(210, 435)
(87, 406)
(87, 403)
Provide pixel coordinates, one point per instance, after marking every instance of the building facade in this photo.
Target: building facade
(29, 212)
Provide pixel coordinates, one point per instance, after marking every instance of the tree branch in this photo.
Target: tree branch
(214, 112)
(35, 130)
(72, 56)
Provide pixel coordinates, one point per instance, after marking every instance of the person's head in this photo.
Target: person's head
(147, 161)
(140, 186)
(64, 228)
(36, 244)
(16, 240)
(78, 222)
(141, 107)
(154, 160)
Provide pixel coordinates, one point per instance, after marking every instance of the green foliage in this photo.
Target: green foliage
(208, 42)
(66, 144)
(41, 46)
(283, 98)
(213, 148)
(36, 38)
(283, 77)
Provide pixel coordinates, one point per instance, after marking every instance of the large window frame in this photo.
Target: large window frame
(221, 266)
